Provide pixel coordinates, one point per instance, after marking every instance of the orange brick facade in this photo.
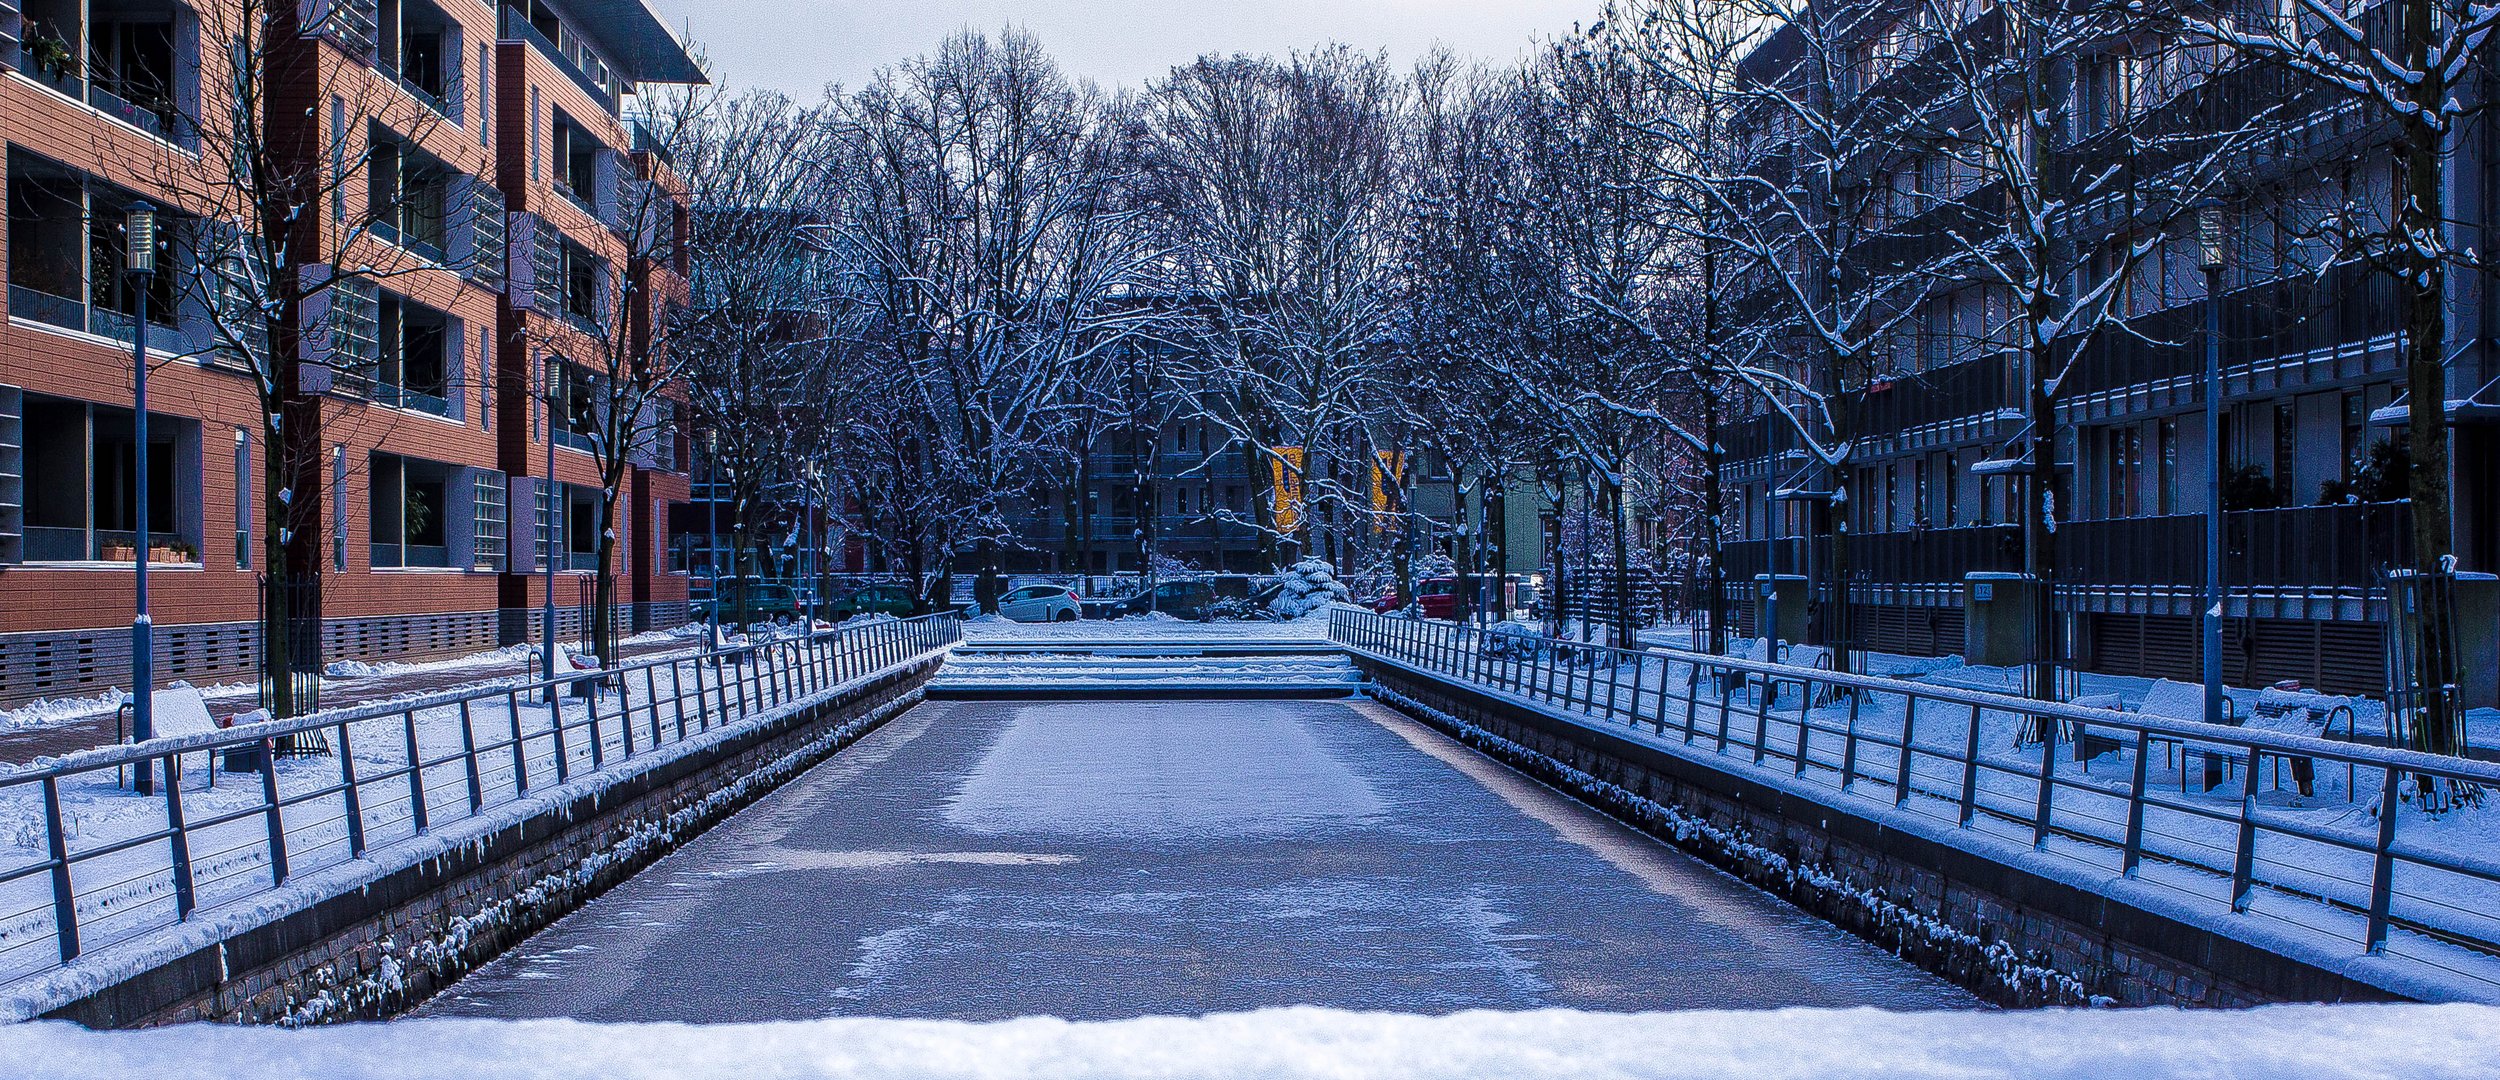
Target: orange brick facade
(452, 93)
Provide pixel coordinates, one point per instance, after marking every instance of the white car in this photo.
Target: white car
(1040, 603)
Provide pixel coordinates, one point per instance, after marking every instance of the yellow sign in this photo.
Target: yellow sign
(1287, 504)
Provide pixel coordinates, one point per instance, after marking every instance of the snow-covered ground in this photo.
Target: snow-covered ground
(126, 897)
(2309, 846)
(339, 672)
(2311, 1042)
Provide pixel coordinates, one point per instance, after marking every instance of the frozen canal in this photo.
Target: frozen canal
(1097, 860)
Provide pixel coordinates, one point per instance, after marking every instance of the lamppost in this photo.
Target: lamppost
(2209, 255)
(547, 513)
(139, 256)
(711, 512)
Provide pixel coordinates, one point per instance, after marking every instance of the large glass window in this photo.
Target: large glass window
(410, 512)
(408, 195)
(415, 366)
(82, 477)
(67, 253)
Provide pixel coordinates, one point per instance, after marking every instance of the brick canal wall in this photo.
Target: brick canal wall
(2012, 936)
(373, 951)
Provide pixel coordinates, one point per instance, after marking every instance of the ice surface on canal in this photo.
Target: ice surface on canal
(1096, 861)
(1166, 770)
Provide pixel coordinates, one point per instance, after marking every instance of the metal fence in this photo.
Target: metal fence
(320, 790)
(2344, 854)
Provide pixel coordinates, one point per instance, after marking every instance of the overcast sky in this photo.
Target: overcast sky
(799, 45)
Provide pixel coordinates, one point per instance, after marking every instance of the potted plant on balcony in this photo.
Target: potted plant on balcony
(50, 52)
(118, 551)
(172, 551)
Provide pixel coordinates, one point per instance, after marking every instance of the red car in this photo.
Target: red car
(1437, 598)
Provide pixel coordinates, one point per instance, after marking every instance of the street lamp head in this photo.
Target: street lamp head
(2209, 235)
(139, 233)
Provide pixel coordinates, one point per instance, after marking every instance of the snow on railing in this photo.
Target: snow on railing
(2321, 863)
(94, 863)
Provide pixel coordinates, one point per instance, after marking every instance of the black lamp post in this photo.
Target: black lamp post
(2209, 255)
(139, 258)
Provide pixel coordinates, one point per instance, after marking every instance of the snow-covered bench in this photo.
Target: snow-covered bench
(594, 674)
(174, 711)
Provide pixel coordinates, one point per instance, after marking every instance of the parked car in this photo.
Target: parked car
(1436, 598)
(1040, 603)
(1179, 599)
(886, 598)
(745, 601)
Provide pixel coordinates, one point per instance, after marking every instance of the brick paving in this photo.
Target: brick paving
(87, 732)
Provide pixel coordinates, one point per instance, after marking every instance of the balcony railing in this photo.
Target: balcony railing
(415, 400)
(2310, 547)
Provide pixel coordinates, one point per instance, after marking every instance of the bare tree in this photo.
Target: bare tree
(304, 211)
(1275, 186)
(980, 197)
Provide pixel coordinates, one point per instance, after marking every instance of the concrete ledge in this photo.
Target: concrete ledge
(373, 948)
(2011, 935)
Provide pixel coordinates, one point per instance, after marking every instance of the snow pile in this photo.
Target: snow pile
(2313, 1042)
(1309, 586)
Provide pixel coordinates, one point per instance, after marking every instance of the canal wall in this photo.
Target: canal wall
(365, 941)
(2015, 936)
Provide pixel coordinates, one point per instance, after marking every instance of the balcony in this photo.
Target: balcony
(2298, 548)
(576, 63)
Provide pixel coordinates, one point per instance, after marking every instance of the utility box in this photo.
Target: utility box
(1790, 591)
(2000, 619)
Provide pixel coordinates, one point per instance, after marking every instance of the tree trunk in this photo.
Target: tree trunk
(2440, 728)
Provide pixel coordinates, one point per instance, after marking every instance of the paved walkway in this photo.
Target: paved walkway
(102, 728)
(1100, 860)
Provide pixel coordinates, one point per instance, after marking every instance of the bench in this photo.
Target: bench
(2174, 700)
(174, 711)
(594, 674)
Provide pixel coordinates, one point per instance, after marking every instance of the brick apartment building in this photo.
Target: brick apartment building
(477, 168)
(2313, 382)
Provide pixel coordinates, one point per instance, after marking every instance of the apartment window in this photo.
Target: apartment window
(338, 508)
(1180, 501)
(415, 365)
(584, 277)
(1919, 503)
(408, 512)
(2286, 425)
(128, 58)
(2356, 424)
(242, 500)
(67, 252)
(577, 163)
(1952, 489)
(408, 195)
(578, 407)
(82, 482)
(2167, 484)
(420, 46)
(2125, 465)
(581, 527)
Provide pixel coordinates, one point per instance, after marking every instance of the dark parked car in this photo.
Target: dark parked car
(881, 599)
(1179, 599)
(1436, 597)
(740, 602)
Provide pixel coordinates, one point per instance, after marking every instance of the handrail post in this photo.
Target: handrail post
(1970, 770)
(2383, 864)
(1909, 744)
(520, 744)
(347, 792)
(2048, 783)
(416, 773)
(185, 894)
(271, 809)
(555, 730)
(468, 750)
(2244, 864)
(56, 847)
(1849, 744)
(1805, 719)
(2134, 853)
